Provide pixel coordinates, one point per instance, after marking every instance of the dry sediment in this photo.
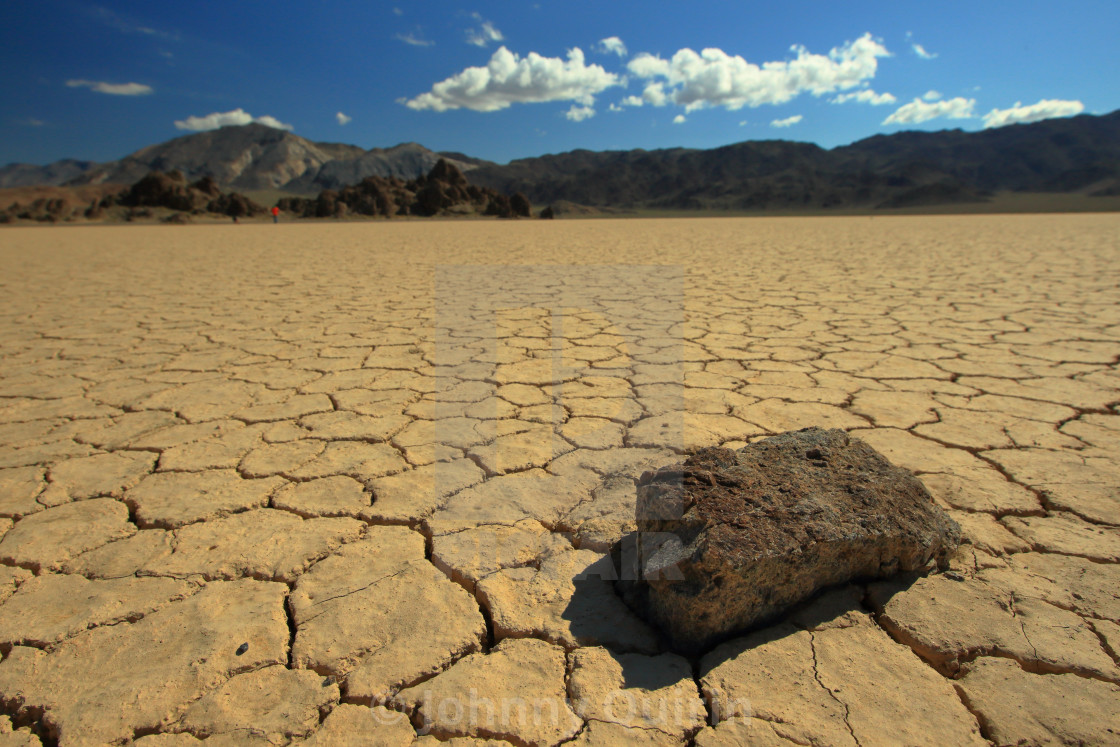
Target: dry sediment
(307, 482)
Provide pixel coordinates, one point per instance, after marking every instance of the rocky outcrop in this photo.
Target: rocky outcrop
(52, 204)
(730, 539)
(171, 190)
(520, 206)
(43, 210)
(444, 191)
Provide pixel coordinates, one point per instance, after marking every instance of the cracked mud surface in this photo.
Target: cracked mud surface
(354, 483)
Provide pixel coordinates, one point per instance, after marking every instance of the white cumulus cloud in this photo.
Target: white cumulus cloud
(921, 111)
(655, 94)
(510, 79)
(484, 34)
(679, 119)
(611, 45)
(633, 101)
(221, 119)
(113, 89)
(714, 78)
(1044, 109)
(579, 113)
(932, 95)
(343, 119)
(866, 96)
(787, 122)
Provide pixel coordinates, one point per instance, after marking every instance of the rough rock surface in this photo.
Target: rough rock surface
(731, 538)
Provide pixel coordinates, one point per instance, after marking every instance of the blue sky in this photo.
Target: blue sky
(503, 80)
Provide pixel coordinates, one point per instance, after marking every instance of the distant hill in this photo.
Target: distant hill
(247, 157)
(899, 170)
(51, 175)
(902, 170)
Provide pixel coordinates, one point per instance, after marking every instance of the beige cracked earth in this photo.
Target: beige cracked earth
(286, 483)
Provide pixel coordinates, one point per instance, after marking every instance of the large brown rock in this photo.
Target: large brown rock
(730, 539)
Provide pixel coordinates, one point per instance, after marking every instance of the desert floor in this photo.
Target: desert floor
(284, 482)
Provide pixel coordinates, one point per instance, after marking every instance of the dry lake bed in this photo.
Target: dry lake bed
(354, 483)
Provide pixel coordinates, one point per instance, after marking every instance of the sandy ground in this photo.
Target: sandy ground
(259, 482)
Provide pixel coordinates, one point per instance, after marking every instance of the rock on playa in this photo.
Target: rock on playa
(729, 539)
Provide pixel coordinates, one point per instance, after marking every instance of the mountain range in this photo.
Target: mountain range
(1076, 154)
(899, 170)
(245, 158)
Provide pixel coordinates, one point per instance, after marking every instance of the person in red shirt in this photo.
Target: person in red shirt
(275, 214)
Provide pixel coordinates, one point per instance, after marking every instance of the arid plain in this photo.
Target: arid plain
(283, 483)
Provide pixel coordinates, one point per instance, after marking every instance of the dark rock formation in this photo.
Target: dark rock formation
(520, 206)
(207, 186)
(45, 210)
(172, 191)
(499, 206)
(729, 539)
(446, 172)
(51, 204)
(430, 199)
(326, 203)
(234, 205)
(443, 191)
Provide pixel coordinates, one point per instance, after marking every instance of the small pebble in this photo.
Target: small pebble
(242, 648)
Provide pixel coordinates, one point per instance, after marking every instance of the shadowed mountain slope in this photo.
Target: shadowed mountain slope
(908, 168)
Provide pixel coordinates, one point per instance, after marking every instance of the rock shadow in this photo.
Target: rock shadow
(596, 616)
(606, 591)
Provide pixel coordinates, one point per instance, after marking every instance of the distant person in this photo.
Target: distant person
(275, 214)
